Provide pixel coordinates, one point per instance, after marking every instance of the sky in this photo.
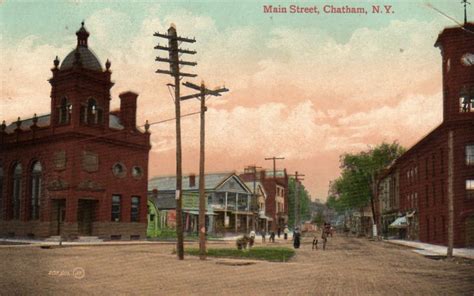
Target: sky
(306, 87)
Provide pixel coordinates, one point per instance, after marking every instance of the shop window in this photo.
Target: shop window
(470, 155)
(116, 208)
(135, 209)
(470, 188)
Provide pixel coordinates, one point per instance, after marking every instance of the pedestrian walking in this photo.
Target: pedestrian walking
(315, 242)
(285, 232)
(251, 238)
(296, 238)
(279, 232)
(263, 235)
(272, 236)
(324, 237)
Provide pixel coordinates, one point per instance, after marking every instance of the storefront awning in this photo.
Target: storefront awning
(400, 222)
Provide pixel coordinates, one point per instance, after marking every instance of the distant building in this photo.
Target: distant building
(276, 188)
(82, 169)
(423, 169)
(258, 190)
(387, 204)
(229, 202)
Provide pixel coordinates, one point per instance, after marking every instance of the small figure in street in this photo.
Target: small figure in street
(315, 242)
(279, 232)
(324, 237)
(296, 238)
(272, 236)
(263, 235)
(242, 242)
(285, 232)
(252, 238)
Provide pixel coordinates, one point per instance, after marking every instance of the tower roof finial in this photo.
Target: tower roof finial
(82, 36)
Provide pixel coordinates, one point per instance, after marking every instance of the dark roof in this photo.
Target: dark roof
(44, 121)
(25, 124)
(169, 182)
(88, 59)
(466, 29)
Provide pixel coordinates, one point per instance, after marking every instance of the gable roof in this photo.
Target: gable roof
(211, 182)
(258, 186)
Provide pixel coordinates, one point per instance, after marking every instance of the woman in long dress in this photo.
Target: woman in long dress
(296, 238)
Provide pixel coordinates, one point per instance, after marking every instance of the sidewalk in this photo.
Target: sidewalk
(429, 249)
(15, 242)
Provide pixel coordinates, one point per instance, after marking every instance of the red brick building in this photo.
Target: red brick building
(423, 169)
(80, 170)
(276, 188)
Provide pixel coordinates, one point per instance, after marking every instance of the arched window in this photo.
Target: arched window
(16, 189)
(36, 172)
(466, 100)
(64, 111)
(92, 113)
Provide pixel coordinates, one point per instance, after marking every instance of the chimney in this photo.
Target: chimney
(128, 109)
(192, 180)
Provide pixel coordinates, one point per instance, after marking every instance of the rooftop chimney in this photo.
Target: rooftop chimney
(192, 180)
(128, 109)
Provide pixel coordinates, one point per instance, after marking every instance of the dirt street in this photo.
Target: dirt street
(349, 266)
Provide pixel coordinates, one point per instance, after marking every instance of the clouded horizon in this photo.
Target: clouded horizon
(307, 88)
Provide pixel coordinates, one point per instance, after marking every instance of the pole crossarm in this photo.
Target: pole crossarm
(180, 50)
(172, 37)
(274, 163)
(214, 92)
(173, 62)
(203, 91)
(174, 74)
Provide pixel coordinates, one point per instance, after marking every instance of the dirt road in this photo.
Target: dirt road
(349, 266)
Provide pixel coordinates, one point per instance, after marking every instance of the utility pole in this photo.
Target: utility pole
(175, 62)
(450, 195)
(465, 10)
(203, 91)
(253, 168)
(274, 163)
(297, 197)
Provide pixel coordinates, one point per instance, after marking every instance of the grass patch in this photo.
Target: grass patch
(170, 234)
(275, 254)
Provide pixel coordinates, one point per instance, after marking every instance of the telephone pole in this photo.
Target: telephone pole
(175, 62)
(253, 169)
(203, 92)
(297, 197)
(274, 164)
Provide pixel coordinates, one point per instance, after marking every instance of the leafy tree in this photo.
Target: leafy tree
(359, 180)
(304, 201)
(318, 218)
